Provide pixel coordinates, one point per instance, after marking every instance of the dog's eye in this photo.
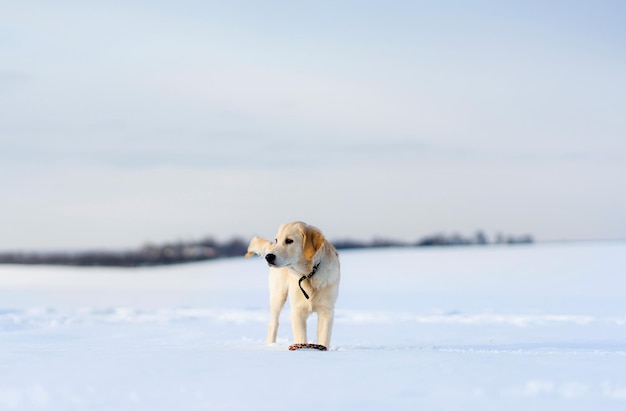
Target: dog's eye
(288, 241)
(276, 240)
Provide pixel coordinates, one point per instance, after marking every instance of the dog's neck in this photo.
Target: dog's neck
(307, 276)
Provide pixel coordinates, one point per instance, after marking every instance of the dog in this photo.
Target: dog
(304, 266)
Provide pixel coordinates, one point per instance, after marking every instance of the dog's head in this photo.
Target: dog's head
(295, 244)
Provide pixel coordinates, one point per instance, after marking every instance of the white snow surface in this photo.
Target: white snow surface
(539, 327)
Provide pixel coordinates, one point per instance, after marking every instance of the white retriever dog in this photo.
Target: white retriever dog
(305, 267)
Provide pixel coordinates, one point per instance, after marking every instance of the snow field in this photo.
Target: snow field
(529, 327)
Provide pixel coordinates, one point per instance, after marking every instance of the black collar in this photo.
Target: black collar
(309, 275)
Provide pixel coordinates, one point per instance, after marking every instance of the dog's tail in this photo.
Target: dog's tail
(257, 246)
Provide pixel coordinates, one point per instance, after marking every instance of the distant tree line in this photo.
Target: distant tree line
(208, 249)
(480, 238)
(148, 255)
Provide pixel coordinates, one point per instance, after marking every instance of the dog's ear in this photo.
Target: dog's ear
(312, 240)
(257, 246)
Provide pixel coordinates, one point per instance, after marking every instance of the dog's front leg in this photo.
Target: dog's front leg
(278, 296)
(272, 327)
(325, 319)
(276, 304)
(299, 316)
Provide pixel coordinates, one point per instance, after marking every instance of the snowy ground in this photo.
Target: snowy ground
(515, 328)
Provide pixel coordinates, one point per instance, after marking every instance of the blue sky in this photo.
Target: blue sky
(126, 123)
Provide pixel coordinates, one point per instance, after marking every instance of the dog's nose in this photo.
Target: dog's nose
(270, 258)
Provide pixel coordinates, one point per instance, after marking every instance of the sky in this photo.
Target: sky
(126, 123)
